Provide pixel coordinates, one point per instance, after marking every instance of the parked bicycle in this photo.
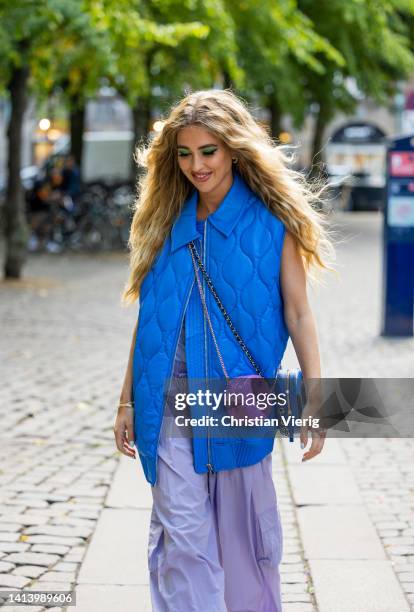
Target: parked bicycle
(99, 220)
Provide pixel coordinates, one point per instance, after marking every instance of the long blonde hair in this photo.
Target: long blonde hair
(163, 189)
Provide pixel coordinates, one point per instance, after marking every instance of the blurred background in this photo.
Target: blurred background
(82, 82)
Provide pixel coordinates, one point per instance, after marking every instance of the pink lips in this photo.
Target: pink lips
(202, 178)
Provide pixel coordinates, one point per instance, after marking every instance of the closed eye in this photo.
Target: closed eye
(207, 151)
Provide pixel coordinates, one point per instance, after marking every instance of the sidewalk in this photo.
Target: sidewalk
(74, 512)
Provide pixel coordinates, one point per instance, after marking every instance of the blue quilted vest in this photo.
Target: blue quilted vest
(242, 247)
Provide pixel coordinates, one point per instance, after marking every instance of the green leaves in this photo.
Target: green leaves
(289, 54)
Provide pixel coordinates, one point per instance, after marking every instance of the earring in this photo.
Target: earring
(235, 160)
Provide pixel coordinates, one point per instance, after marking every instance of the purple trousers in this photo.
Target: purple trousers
(215, 540)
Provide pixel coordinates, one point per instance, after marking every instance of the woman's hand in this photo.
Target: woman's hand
(311, 411)
(124, 430)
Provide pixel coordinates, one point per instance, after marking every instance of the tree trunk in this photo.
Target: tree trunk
(141, 114)
(15, 225)
(77, 125)
(227, 81)
(275, 116)
(317, 142)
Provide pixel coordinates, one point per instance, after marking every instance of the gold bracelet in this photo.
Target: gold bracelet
(130, 404)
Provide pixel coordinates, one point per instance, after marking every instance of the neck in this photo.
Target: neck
(208, 203)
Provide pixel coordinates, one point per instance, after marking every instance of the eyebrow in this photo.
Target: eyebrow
(202, 146)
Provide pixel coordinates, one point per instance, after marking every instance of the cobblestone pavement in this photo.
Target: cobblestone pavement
(64, 347)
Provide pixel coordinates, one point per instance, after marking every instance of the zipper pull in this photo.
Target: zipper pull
(210, 468)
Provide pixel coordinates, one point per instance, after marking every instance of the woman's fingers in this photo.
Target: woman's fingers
(318, 440)
(303, 436)
(124, 434)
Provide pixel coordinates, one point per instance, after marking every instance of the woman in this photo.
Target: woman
(216, 181)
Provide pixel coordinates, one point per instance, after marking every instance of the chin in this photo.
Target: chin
(204, 188)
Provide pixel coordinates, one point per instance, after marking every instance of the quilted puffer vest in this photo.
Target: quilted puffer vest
(242, 247)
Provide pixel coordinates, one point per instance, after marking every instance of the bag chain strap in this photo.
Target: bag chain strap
(203, 301)
(196, 257)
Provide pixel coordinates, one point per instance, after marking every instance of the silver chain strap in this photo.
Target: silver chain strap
(196, 258)
(203, 301)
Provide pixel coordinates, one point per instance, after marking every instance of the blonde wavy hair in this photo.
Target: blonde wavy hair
(264, 165)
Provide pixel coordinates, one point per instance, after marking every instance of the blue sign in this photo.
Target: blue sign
(398, 272)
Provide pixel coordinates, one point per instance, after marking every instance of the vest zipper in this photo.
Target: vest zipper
(210, 466)
(171, 372)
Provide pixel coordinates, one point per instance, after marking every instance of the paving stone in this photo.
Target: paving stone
(399, 541)
(322, 538)
(31, 558)
(401, 550)
(59, 530)
(6, 566)
(288, 577)
(296, 598)
(33, 502)
(58, 577)
(290, 568)
(64, 566)
(73, 522)
(294, 588)
(74, 558)
(8, 580)
(291, 559)
(298, 607)
(10, 526)
(388, 533)
(50, 548)
(406, 576)
(26, 519)
(87, 514)
(9, 537)
(114, 526)
(404, 567)
(85, 492)
(32, 571)
(355, 585)
(22, 608)
(50, 539)
(50, 586)
(106, 598)
(8, 547)
(391, 525)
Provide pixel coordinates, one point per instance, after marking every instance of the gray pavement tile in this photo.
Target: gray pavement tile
(117, 552)
(357, 585)
(91, 597)
(323, 484)
(129, 488)
(338, 532)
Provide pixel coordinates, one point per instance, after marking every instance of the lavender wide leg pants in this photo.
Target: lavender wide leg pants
(215, 540)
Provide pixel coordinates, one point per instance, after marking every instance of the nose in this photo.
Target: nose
(197, 162)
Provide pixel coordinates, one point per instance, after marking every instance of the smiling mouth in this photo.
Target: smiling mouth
(201, 176)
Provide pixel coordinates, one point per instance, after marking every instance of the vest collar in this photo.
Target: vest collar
(223, 219)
